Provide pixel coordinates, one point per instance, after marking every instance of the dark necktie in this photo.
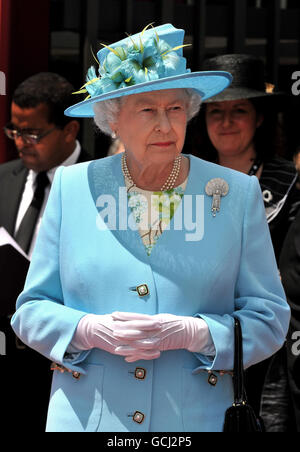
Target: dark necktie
(25, 232)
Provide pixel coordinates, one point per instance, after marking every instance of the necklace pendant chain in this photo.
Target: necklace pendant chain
(171, 180)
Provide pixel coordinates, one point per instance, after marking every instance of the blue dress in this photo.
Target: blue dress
(89, 258)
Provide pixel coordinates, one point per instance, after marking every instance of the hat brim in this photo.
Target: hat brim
(207, 84)
(232, 93)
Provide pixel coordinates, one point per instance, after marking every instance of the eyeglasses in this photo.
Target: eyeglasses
(26, 135)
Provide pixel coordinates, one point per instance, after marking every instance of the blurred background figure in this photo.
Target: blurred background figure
(290, 274)
(240, 129)
(45, 139)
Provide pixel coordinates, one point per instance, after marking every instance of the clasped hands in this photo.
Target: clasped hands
(140, 336)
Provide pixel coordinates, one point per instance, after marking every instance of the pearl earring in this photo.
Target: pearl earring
(114, 135)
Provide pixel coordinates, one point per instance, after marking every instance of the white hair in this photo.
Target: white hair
(107, 111)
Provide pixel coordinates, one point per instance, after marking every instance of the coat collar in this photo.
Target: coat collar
(106, 183)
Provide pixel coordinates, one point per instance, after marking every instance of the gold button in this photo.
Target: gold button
(138, 417)
(140, 373)
(76, 375)
(142, 290)
(212, 379)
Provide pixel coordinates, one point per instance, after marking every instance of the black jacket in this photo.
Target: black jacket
(282, 202)
(290, 272)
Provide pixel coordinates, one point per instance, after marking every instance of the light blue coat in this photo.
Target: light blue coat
(77, 268)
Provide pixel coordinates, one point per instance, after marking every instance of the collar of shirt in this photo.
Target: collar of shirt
(29, 191)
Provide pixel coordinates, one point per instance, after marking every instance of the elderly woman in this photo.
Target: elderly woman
(144, 258)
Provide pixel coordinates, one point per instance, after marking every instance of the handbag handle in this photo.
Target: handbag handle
(240, 417)
(238, 371)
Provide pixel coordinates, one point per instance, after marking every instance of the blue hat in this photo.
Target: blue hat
(148, 61)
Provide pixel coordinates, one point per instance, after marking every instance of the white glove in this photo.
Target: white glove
(98, 331)
(175, 332)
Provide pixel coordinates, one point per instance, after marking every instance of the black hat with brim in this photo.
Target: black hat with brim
(248, 74)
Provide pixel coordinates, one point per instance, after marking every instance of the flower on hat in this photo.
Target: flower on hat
(134, 63)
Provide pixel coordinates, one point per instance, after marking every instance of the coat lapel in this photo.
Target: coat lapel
(107, 186)
(11, 195)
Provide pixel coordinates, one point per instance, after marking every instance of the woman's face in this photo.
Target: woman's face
(152, 126)
(231, 126)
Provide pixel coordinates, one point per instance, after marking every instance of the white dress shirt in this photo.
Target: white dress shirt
(28, 193)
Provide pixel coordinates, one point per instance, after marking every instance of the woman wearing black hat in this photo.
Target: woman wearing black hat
(239, 129)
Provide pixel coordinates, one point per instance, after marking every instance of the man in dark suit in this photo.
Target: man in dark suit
(290, 272)
(45, 139)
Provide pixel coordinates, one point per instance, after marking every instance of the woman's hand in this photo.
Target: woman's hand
(140, 336)
(101, 331)
(159, 332)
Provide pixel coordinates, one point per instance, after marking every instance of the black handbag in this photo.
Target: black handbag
(240, 417)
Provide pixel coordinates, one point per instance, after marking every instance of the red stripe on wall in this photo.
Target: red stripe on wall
(24, 51)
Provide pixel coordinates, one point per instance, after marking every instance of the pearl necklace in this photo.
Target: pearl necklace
(170, 182)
